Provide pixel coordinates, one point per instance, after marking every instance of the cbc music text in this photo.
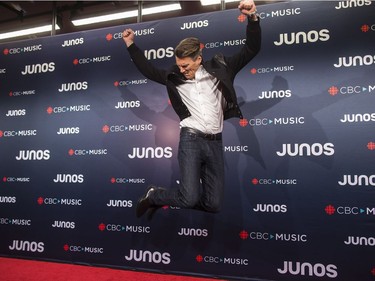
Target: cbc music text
(168, 52)
(18, 222)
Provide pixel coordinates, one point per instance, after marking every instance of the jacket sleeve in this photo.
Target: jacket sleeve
(145, 66)
(249, 50)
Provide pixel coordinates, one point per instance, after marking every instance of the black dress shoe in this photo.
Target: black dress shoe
(144, 202)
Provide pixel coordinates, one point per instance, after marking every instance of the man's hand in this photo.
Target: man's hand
(128, 36)
(247, 7)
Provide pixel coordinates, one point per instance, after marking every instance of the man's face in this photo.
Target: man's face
(188, 67)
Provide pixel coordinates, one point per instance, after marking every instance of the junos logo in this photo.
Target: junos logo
(193, 232)
(27, 246)
(151, 152)
(148, 256)
(357, 180)
(270, 208)
(68, 178)
(305, 149)
(360, 241)
(64, 224)
(275, 94)
(38, 68)
(352, 4)
(195, 24)
(16, 112)
(33, 155)
(306, 268)
(68, 131)
(160, 53)
(74, 86)
(366, 60)
(303, 37)
(73, 42)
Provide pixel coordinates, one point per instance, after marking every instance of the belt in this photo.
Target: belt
(201, 134)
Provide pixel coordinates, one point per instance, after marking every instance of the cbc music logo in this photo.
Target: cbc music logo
(226, 43)
(305, 149)
(83, 249)
(123, 128)
(19, 133)
(27, 246)
(283, 182)
(308, 269)
(112, 227)
(276, 121)
(222, 260)
(59, 201)
(146, 256)
(68, 109)
(349, 210)
(266, 236)
(357, 180)
(20, 93)
(80, 61)
(26, 49)
(17, 222)
(366, 28)
(88, 152)
(137, 32)
(280, 13)
(17, 179)
(350, 89)
(371, 145)
(124, 83)
(128, 180)
(272, 69)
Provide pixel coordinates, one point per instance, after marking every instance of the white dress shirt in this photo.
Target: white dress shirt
(205, 102)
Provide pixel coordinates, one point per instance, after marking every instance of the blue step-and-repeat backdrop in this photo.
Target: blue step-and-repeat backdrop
(83, 133)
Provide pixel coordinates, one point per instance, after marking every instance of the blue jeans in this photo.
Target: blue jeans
(201, 164)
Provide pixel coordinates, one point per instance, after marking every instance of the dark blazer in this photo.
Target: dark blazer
(224, 68)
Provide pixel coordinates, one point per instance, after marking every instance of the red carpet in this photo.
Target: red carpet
(27, 270)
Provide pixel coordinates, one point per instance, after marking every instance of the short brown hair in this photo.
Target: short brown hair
(188, 47)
